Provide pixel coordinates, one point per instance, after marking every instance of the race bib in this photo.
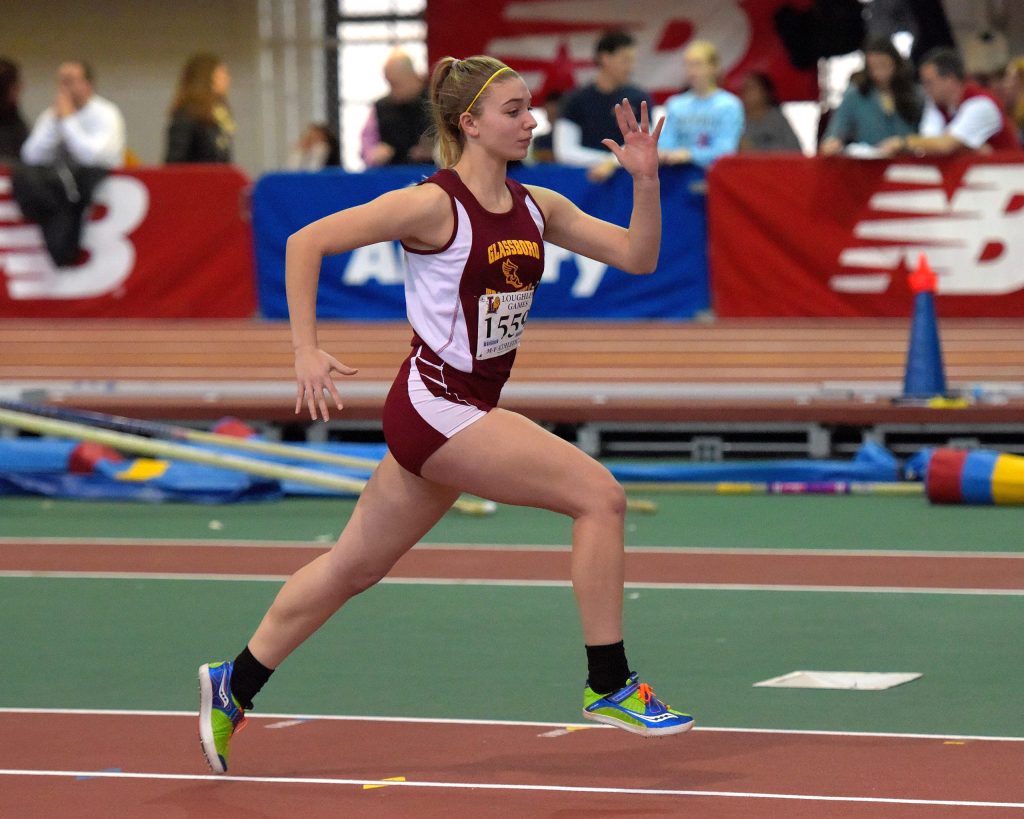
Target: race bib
(502, 317)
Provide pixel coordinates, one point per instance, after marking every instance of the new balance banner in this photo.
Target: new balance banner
(160, 243)
(791, 236)
(368, 283)
(551, 42)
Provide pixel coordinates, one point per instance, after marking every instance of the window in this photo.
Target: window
(368, 30)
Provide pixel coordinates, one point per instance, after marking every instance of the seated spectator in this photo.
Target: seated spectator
(201, 128)
(80, 126)
(706, 121)
(397, 132)
(881, 101)
(588, 113)
(958, 116)
(767, 128)
(542, 149)
(317, 148)
(69, 151)
(13, 130)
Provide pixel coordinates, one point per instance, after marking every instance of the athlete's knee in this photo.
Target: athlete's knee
(363, 576)
(602, 494)
(353, 576)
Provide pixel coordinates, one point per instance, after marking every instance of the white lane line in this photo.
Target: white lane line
(173, 543)
(501, 723)
(470, 581)
(248, 578)
(653, 586)
(494, 786)
(504, 547)
(288, 723)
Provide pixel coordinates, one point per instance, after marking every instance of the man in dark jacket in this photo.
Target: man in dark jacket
(396, 131)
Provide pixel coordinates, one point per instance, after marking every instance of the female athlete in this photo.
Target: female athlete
(474, 241)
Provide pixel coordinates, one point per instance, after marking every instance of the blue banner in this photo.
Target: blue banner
(367, 283)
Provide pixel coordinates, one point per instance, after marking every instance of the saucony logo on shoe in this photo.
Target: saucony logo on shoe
(225, 699)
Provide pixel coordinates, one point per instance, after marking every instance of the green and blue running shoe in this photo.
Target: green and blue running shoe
(220, 715)
(635, 708)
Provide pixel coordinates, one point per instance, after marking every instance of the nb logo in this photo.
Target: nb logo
(974, 239)
(30, 272)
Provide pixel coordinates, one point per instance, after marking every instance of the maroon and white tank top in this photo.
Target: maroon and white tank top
(469, 300)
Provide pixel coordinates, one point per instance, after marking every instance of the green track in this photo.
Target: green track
(515, 653)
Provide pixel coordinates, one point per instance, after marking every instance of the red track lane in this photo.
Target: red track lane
(893, 571)
(740, 763)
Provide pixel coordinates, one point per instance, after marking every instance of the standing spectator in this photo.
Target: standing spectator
(588, 113)
(80, 126)
(959, 115)
(397, 132)
(317, 148)
(881, 101)
(13, 130)
(706, 121)
(767, 128)
(201, 128)
(73, 145)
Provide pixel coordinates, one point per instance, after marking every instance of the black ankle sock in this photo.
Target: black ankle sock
(248, 677)
(607, 668)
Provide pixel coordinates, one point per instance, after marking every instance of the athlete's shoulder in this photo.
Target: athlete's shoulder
(425, 195)
(539, 193)
(418, 213)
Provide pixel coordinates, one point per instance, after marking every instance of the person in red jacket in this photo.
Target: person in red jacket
(959, 115)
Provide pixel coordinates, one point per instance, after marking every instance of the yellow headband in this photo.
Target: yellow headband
(484, 86)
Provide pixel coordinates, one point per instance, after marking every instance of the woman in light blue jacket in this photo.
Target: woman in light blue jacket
(706, 122)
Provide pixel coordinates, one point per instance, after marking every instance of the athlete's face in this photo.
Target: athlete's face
(505, 125)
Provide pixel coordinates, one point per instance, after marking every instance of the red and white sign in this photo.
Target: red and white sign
(160, 243)
(549, 40)
(791, 236)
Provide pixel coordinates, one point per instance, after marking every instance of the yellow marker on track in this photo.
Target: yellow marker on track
(384, 783)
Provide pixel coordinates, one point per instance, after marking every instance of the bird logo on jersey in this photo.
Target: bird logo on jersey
(510, 269)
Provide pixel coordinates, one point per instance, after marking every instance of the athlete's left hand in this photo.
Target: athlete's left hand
(639, 152)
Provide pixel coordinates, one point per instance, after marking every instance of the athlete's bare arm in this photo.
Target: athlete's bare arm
(635, 249)
(420, 216)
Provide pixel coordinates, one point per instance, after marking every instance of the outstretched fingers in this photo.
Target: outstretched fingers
(628, 123)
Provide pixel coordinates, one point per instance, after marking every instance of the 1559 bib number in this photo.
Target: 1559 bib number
(502, 317)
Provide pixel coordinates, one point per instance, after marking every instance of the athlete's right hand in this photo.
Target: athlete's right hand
(313, 370)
